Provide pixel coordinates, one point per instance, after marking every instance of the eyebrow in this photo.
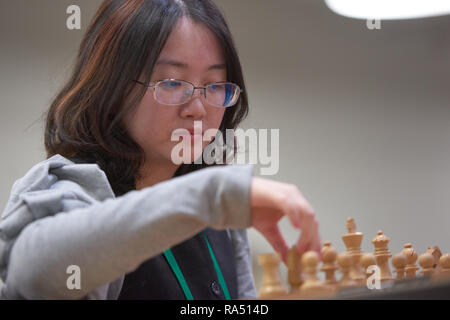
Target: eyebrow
(182, 65)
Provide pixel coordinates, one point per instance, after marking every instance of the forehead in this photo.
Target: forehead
(194, 45)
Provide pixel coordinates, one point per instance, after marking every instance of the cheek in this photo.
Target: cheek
(147, 125)
(216, 117)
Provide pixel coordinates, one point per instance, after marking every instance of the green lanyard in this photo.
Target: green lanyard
(176, 269)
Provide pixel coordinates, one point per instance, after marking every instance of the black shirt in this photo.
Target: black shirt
(154, 278)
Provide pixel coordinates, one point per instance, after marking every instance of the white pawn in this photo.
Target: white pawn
(310, 260)
(272, 285)
(345, 261)
(312, 285)
(399, 262)
(444, 262)
(426, 261)
(329, 266)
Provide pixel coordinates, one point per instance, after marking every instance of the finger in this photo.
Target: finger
(302, 245)
(316, 245)
(315, 242)
(294, 216)
(310, 239)
(273, 235)
(305, 240)
(305, 212)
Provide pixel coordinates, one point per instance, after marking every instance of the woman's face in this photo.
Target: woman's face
(191, 53)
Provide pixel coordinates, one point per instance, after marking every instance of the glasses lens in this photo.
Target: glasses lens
(222, 94)
(173, 92)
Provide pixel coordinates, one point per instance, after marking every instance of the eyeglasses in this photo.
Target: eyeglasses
(173, 92)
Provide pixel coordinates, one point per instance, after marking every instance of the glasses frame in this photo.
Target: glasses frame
(153, 86)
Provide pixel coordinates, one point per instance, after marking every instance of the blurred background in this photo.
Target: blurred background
(363, 114)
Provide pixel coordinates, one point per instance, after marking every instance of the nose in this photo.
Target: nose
(195, 107)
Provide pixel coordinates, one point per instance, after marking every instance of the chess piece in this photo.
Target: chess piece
(382, 256)
(444, 262)
(310, 261)
(444, 270)
(329, 266)
(295, 277)
(272, 285)
(436, 253)
(399, 262)
(411, 257)
(345, 263)
(352, 241)
(426, 261)
(367, 260)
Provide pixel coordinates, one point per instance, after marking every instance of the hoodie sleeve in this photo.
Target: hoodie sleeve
(106, 239)
(246, 284)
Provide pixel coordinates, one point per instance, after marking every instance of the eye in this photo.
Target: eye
(216, 86)
(171, 84)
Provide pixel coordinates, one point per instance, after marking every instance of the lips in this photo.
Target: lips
(190, 134)
(193, 131)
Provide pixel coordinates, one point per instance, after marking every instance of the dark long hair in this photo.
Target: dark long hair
(123, 42)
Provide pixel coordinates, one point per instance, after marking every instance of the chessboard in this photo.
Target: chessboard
(362, 275)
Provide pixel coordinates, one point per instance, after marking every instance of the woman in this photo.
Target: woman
(111, 203)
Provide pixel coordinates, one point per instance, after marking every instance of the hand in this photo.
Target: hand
(270, 201)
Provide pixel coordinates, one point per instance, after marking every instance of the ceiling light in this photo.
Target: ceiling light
(389, 9)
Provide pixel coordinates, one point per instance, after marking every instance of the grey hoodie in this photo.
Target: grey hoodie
(62, 213)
